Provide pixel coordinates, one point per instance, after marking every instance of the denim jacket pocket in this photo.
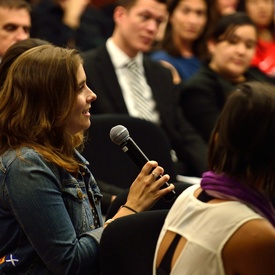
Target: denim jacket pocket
(78, 206)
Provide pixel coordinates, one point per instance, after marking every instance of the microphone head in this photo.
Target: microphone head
(119, 134)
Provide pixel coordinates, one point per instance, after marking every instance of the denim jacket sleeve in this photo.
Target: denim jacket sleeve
(35, 197)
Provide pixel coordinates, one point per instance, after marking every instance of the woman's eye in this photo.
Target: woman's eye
(250, 45)
(233, 40)
(185, 10)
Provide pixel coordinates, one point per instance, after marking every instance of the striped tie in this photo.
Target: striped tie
(137, 82)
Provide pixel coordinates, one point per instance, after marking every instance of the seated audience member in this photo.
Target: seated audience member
(15, 23)
(218, 9)
(129, 82)
(50, 212)
(261, 12)
(225, 224)
(183, 44)
(231, 46)
(109, 191)
(70, 23)
(222, 7)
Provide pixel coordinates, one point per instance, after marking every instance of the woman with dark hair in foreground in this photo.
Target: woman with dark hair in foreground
(225, 224)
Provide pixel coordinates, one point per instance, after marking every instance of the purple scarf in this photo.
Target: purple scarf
(222, 187)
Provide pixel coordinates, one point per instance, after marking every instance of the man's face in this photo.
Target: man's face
(15, 25)
(136, 28)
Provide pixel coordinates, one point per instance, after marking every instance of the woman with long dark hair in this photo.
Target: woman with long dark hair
(183, 45)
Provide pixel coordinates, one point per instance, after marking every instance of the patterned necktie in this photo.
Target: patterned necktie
(137, 82)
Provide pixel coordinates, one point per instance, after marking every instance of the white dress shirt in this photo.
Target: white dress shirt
(119, 60)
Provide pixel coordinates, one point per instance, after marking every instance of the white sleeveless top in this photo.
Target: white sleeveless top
(206, 227)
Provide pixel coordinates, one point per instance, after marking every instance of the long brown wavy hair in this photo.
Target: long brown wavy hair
(36, 100)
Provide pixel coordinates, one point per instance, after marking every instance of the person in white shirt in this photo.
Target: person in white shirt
(225, 224)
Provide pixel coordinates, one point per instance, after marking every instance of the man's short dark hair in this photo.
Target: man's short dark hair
(15, 4)
(129, 3)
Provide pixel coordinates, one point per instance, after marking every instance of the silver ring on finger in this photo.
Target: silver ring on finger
(155, 175)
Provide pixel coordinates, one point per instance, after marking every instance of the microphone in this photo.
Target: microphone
(120, 136)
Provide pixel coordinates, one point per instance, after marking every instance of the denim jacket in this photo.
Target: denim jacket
(46, 221)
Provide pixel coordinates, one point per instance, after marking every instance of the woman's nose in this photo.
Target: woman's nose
(92, 96)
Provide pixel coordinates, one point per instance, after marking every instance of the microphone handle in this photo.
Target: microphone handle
(134, 152)
(139, 158)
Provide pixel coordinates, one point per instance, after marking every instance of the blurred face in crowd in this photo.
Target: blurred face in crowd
(261, 12)
(137, 27)
(188, 19)
(15, 26)
(226, 6)
(80, 116)
(231, 55)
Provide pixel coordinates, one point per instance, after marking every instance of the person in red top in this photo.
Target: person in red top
(261, 13)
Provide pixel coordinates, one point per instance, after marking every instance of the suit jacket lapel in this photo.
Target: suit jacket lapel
(149, 73)
(107, 72)
(158, 90)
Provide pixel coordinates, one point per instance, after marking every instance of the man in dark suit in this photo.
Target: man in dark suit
(136, 26)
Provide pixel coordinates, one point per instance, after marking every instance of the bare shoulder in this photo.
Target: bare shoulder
(251, 249)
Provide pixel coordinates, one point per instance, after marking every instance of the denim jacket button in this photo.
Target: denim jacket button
(80, 194)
